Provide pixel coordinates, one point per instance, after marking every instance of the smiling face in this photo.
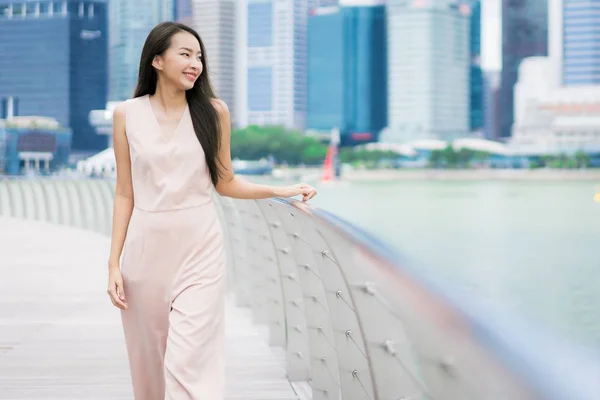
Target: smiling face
(181, 64)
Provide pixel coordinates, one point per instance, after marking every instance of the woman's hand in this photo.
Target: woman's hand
(115, 288)
(307, 191)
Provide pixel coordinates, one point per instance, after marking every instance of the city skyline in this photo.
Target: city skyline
(491, 35)
(267, 56)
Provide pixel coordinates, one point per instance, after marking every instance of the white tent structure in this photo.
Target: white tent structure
(478, 144)
(428, 144)
(101, 164)
(402, 149)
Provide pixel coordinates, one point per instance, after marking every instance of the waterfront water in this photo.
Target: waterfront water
(533, 247)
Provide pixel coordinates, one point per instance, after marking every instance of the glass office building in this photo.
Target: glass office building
(130, 23)
(276, 41)
(429, 60)
(524, 34)
(347, 72)
(260, 76)
(55, 63)
(581, 42)
(476, 81)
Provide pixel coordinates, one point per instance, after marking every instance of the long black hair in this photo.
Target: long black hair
(205, 118)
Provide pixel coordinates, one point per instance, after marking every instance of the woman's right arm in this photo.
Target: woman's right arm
(123, 207)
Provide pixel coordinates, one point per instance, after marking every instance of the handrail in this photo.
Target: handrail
(548, 365)
(356, 319)
(455, 346)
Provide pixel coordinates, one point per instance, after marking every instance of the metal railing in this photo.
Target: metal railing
(356, 320)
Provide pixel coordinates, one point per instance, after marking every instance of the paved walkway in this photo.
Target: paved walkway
(61, 338)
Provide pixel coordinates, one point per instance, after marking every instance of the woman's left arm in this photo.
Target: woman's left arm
(230, 185)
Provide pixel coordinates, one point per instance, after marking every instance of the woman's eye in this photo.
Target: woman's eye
(186, 54)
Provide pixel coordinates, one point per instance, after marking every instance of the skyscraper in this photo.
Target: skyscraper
(428, 69)
(216, 22)
(53, 63)
(491, 104)
(347, 70)
(476, 81)
(130, 23)
(575, 41)
(277, 62)
(524, 34)
(182, 11)
(557, 98)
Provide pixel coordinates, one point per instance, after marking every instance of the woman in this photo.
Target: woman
(171, 144)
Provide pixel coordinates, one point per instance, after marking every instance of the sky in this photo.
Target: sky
(491, 38)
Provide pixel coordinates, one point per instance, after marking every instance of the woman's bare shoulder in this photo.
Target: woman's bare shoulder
(221, 107)
(120, 111)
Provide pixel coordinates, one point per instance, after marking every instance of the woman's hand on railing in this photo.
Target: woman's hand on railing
(307, 191)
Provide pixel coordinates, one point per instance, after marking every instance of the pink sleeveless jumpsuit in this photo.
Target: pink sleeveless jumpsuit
(173, 264)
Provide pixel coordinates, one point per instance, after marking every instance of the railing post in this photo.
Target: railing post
(258, 274)
(264, 259)
(298, 354)
(379, 356)
(241, 270)
(305, 243)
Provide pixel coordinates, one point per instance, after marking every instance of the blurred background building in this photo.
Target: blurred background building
(33, 145)
(217, 24)
(347, 70)
(182, 11)
(130, 23)
(390, 71)
(557, 98)
(54, 63)
(276, 59)
(476, 79)
(524, 34)
(428, 70)
(574, 41)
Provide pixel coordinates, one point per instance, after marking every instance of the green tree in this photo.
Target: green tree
(536, 163)
(436, 158)
(287, 146)
(314, 153)
(582, 159)
(563, 160)
(346, 155)
(450, 156)
(464, 157)
(555, 163)
(368, 158)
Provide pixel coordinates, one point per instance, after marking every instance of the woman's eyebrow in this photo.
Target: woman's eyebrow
(190, 50)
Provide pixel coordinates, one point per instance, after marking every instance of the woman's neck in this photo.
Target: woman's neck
(169, 98)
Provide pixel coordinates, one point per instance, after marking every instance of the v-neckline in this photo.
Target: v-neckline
(160, 129)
